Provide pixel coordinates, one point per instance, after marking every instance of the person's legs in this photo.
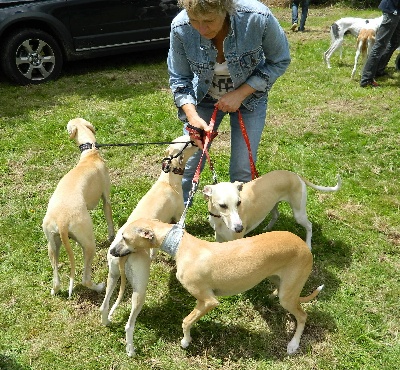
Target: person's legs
(392, 45)
(383, 36)
(254, 121)
(205, 110)
(304, 12)
(295, 14)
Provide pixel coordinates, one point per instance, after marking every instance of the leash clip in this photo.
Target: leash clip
(166, 164)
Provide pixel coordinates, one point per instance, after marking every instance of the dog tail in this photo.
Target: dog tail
(121, 262)
(312, 295)
(65, 240)
(324, 188)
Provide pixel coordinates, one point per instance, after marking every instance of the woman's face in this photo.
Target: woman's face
(208, 25)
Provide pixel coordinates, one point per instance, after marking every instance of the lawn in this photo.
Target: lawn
(320, 123)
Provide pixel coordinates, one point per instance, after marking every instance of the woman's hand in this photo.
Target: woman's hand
(199, 126)
(231, 101)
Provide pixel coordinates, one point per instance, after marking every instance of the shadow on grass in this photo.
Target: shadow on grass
(111, 85)
(8, 363)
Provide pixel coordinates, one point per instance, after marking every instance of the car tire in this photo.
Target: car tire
(31, 56)
(397, 62)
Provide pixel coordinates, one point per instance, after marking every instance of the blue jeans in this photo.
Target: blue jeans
(387, 41)
(304, 12)
(239, 166)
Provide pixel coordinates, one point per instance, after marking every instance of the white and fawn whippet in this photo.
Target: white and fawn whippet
(348, 25)
(164, 201)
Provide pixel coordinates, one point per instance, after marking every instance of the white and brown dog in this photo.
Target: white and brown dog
(365, 41)
(237, 208)
(164, 201)
(344, 26)
(211, 269)
(68, 215)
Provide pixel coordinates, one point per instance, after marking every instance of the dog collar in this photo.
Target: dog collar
(172, 240)
(87, 146)
(214, 215)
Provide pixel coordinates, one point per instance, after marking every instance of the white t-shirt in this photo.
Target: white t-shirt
(222, 82)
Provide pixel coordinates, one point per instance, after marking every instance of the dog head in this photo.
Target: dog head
(223, 202)
(133, 238)
(176, 155)
(81, 130)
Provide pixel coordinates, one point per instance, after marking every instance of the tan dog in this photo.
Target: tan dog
(210, 269)
(235, 209)
(163, 201)
(67, 214)
(365, 41)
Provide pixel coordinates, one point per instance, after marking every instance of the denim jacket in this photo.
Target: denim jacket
(256, 50)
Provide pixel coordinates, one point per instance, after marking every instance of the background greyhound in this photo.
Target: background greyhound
(67, 213)
(348, 25)
(210, 269)
(164, 201)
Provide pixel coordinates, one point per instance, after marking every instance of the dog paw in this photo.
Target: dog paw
(99, 287)
(292, 347)
(185, 343)
(130, 350)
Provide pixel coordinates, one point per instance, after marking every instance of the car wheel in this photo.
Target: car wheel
(397, 62)
(31, 56)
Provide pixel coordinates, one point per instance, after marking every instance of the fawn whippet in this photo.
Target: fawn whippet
(237, 208)
(210, 269)
(163, 201)
(67, 214)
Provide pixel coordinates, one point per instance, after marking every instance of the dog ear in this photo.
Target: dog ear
(239, 185)
(145, 233)
(207, 191)
(71, 128)
(89, 126)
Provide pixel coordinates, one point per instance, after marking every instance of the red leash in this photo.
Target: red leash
(254, 173)
(206, 138)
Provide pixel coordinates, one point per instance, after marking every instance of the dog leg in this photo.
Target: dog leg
(358, 51)
(137, 271)
(275, 215)
(202, 308)
(337, 44)
(108, 215)
(54, 244)
(87, 241)
(112, 279)
(292, 305)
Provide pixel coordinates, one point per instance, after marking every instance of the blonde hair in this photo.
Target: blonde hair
(208, 6)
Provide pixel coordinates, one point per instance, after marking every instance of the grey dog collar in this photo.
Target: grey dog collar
(172, 240)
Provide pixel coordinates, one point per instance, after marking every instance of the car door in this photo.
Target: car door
(104, 24)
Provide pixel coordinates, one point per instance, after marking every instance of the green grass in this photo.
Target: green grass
(320, 123)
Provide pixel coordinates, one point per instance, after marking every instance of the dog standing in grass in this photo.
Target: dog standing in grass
(68, 215)
(211, 269)
(344, 26)
(164, 201)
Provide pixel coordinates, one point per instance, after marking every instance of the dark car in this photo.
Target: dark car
(37, 36)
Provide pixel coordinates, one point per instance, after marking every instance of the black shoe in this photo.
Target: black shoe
(370, 84)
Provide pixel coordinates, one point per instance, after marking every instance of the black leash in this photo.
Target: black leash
(97, 145)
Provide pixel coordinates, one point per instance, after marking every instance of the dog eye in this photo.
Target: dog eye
(223, 206)
(239, 203)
